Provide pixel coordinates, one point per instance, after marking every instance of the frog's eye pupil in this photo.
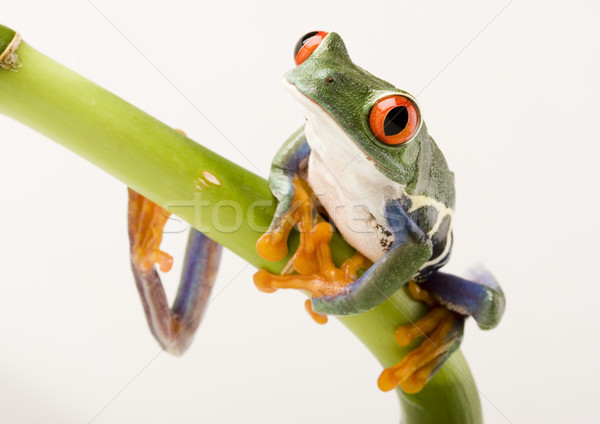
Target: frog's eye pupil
(307, 44)
(395, 121)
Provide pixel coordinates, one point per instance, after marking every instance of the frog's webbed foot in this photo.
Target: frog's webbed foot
(451, 299)
(317, 274)
(173, 327)
(295, 207)
(442, 330)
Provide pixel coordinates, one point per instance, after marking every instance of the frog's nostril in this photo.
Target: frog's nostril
(328, 80)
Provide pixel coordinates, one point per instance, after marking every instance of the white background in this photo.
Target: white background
(512, 101)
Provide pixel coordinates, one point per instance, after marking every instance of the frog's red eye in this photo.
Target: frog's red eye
(307, 44)
(394, 119)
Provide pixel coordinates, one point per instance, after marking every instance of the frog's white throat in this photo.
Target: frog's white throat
(346, 181)
(329, 140)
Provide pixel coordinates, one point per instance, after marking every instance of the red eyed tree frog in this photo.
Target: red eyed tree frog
(364, 163)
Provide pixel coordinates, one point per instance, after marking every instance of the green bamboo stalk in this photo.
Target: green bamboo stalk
(228, 203)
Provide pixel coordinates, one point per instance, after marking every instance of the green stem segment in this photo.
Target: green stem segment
(230, 204)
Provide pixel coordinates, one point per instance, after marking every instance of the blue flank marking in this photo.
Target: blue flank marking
(400, 224)
(293, 162)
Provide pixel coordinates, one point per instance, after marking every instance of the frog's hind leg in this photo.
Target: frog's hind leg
(442, 330)
(174, 327)
(479, 295)
(451, 299)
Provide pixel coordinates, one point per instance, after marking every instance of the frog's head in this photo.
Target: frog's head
(381, 120)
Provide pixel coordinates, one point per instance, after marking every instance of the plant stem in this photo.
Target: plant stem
(230, 204)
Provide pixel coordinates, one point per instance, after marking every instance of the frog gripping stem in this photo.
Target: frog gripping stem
(450, 299)
(34, 81)
(317, 274)
(442, 330)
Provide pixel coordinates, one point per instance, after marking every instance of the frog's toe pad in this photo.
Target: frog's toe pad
(317, 317)
(273, 246)
(298, 209)
(443, 330)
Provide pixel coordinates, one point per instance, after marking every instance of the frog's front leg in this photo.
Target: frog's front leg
(337, 291)
(174, 327)
(292, 204)
(410, 250)
(297, 208)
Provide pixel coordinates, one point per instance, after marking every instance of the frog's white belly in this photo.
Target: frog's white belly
(353, 215)
(349, 186)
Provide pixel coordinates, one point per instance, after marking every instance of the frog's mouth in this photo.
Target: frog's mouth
(309, 104)
(322, 126)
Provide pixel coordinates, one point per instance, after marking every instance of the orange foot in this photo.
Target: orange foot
(147, 221)
(417, 367)
(312, 260)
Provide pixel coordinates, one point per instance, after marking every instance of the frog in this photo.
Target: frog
(362, 164)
